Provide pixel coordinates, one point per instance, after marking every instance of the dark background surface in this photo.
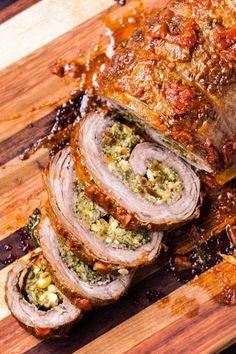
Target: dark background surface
(230, 350)
(4, 4)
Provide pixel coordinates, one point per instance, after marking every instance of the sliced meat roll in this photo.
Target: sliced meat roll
(139, 183)
(91, 232)
(35, 301)
(75, 278)
(177, 75)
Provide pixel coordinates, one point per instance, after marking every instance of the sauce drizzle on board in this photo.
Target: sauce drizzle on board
(86, 76)
(84, 72)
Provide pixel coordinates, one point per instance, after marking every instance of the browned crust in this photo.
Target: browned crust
(96, 193)
(49, 333)
(76, 299)
(82, 252)
(102, 198)
(45, 333)
(74, 244)
(190, 47)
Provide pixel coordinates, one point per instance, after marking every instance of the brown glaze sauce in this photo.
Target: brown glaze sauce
(220, 202)
(227, 296)
(203, 257)
(225, 40)
(59, 134)
(84, 72)
(200, 245)
(151, 45)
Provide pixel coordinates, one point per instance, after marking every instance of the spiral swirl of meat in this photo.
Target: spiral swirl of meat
(114, 195)
(54, 322)
(98, 294)
(59, 180)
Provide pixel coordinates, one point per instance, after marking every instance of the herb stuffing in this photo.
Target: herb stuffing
(84, 270)
(159, 184)
(32, 225)
(105, 226)
(39, 288)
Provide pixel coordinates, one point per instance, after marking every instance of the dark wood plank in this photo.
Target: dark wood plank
(33, 134)
(14, 247)
(102, 320)
(141, 296)
(193, 318)
(10, 8)
(200, 326)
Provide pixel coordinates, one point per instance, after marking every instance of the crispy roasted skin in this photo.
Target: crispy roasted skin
(102, 197)
(177, 74)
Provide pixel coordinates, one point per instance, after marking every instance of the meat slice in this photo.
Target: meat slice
(102, 292)
(113, 194)
(88, 245)
(177, 76)
(54, 322)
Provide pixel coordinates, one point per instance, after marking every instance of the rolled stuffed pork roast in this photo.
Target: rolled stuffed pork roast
(140, 183)
(77, 279)
(35, 302)
(176, 77)
(132, 172)
(89, 231)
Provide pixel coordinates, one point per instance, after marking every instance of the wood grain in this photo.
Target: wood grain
(6, 12)
(14, 339)
(188, 316)
(17, 33)
(17, 143)
(16, 246)
(32, 136)
(21, 190)
(28, 79)
(191, 316)
(201, 329)
(93, 323)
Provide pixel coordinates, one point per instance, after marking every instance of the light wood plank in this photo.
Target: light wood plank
(207, 333)
(14, 339)
(4, 311)
(42, 23)
(28, 84)
(185, 301)
(15, 8)
(21, 190)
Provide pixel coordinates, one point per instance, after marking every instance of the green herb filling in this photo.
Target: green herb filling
(159, 184)
(39, 288)
(105, 226)
(84, 271)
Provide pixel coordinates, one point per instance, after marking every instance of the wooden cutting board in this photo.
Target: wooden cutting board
(187, 318)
